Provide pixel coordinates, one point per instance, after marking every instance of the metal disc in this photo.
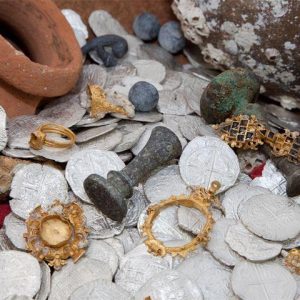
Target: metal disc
(73, 275)
(211, 277)
(293, 243)
(44, 290)
(206, 159)
(263, 281)
(149, 117)
(14, 230)
(130, 139)
(117, 73)
(249, 245)
(238, 194)
(20, 273)
(117, 245)
(3, 133)
(165, 183)
(191, 126)
(170, 284)
(89, 134)
(18, 153)
(272, 217)
(87, 162)
(34, 185)
(5, 243)
(217, 245)
(129, 238)
(100, 289)
(150, 69)
(172, 80)
(98, 123)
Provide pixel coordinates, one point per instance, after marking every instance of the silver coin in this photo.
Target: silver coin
(169, 284)
(243, 178)
(102, 251)
(117, 73)
(128, 126)
(20, 272)
(65, 111)
(35, 185)
(134, 44)
(271, 281)
(117, 245)
(150, 69)
(20, 129)
(191, 127)
(44, 290)
(272, 217)
(102, 23)
(129, 140)
(206, 130)
(249, 245)
(211, 277)
(172, 80)
(137, 267)
(271, 179)
(191, 219)
(238, 194)
(87, 120)
(18, 297)
(89, 134)
(164, 184)
(165, 226)
(206, 159)
(173, 103)
(100, 289)
(73, 275)
(149, 117)
(91, 74)
(217, 245)
(99, 225)
(18, 153)
(87, 162)
(3, 133)
(100, 122)
(135, 205)
(105, 142)
(14, 230)
(293, 243)
(5, 243)
(129, 238)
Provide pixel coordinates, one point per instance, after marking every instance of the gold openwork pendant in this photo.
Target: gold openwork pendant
(201, 199)
(292, 260)
(56, 234)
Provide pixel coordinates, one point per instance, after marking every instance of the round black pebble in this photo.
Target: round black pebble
(171, 37)
(146, 26)
(144, 96)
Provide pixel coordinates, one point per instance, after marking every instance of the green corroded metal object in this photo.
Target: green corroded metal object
(232, 92)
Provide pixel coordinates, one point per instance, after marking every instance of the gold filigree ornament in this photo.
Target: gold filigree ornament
(100, 104)
(56, 234)
(292, 260)
(200, 199)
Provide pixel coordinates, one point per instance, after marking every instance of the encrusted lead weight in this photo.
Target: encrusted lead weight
(108, 195)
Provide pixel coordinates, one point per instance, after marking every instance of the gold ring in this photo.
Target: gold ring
(200, 199)
(38, 139)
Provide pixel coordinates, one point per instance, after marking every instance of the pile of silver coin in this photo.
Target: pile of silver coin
(257, 225)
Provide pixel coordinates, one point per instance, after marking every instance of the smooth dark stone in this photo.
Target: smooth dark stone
(146, 26)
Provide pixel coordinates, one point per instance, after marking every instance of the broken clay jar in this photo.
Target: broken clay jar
(39, 54)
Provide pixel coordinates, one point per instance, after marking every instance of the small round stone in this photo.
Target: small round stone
(171, 37)
(146, 26)
(144, 96)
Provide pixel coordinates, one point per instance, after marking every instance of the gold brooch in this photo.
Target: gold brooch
(56, 234)
(292, 260)
(200, 199)
(99, 103)
(39, 138)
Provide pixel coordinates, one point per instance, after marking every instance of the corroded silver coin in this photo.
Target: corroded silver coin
(18, 297)
(117, 73)
(129, 238)
(18, 153)
(149, 117)
(293, 243)
(3, 133)
(192, 220)
(44, 290)
(263, 281)
(100, 226)
(165, 183)
(150, 69)
(35, 185)
(107, 141)
(117, 245)
(100, 289)
(65, 111)
(97, 123)
(172, 80)
(129, 140)
(73, 275)
(89, 134)
(5, 243)
(191, 127)
(211, 277)
(206, 159)
(20, 274)
(170, 284)
(272, 217)
(99, 250)
(137, 267)
(87, 162)
(217, 245)
(87, 120)
(14, 230)
(238, 194)
(135, 205)
(134, 44)
(247, 244)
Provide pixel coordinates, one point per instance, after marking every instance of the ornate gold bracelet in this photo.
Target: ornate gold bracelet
(200, 199)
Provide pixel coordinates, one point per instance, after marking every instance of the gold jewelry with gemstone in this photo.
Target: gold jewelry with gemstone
(39, 138)
(201, 199)
(292, 260)
(56, 234)
(100, 104)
